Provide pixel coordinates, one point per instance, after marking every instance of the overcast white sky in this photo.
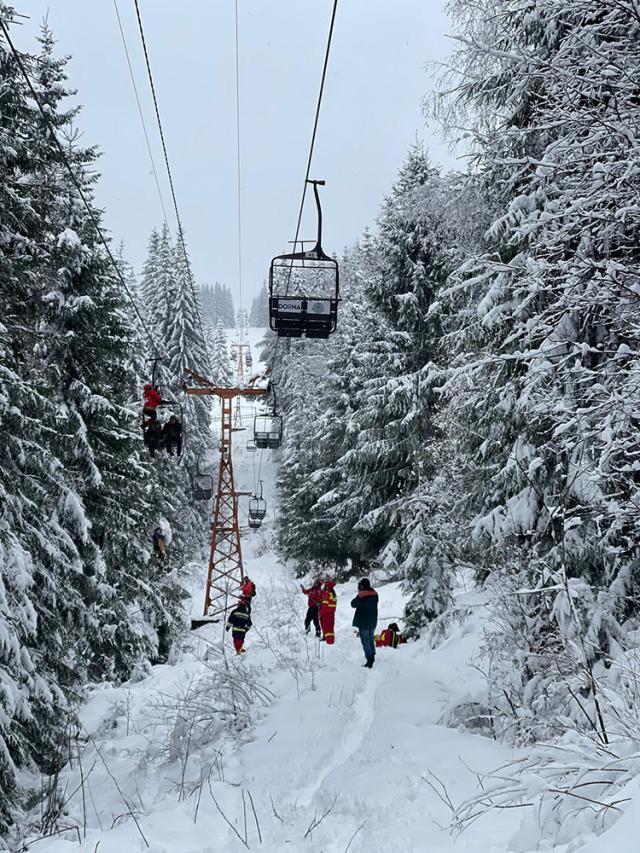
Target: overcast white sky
(371, 113)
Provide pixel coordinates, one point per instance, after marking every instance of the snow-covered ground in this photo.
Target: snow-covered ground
(293, 746)
(317, 740)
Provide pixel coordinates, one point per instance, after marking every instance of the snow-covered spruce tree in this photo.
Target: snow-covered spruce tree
(187, 347)
(32, 707)
(317, 386)
(546, 381)
(220, 357)
(87, 341)
(259, 313)
(392, 418)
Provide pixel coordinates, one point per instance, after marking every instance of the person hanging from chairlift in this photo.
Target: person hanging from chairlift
(328, 604)
(152, 399)
(172, 436)
(152, 433)
(248, 590)
(159, 546)
(239, 622)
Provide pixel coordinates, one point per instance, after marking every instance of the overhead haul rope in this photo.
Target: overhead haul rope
(308, 170)
(238, 171)
(140, 113)
(172, 188)
(76, 183)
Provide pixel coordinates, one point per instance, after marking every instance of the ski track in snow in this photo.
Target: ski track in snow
(350, 743)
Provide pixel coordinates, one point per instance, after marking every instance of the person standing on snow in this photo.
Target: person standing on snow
(365, 618)
(314, 594)
(239, 622)
(328, 612)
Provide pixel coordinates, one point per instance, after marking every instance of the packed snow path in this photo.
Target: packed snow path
(291, 746)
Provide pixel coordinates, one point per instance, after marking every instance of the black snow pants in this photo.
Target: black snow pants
(312, 616)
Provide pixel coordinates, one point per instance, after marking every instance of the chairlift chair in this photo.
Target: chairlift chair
(304, 289)
(257, 506)
(255, 523)
(251, 447)
(202, 487)
(267, 431)
(248, 359)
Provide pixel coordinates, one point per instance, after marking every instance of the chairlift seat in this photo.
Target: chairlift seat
(257, 508)
(202, 487)
(304, 288)
(304, 294)
(255, 523)
(267, 431)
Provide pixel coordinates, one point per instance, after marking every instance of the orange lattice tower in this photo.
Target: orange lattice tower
(225, 574)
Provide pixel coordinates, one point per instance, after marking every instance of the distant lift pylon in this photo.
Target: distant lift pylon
(225, 573)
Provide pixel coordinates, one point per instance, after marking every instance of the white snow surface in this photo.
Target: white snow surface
(334, 758)
(325, 741)
(331, 736)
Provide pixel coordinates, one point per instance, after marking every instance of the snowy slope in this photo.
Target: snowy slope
(292, 746)
(330, 755)
(324, 737)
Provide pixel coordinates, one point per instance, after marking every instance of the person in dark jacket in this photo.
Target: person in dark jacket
(239, 622)
(314, 597)
(365, 618)
(172, 435)
(152, 435)
(159, 545)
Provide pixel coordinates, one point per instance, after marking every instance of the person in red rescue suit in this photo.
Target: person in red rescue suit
(239, 622)
(328, 612)
(314, 597)
(391, 636)
(152, 399)
(248, 589)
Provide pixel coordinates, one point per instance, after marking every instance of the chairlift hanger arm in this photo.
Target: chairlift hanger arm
(316, 184)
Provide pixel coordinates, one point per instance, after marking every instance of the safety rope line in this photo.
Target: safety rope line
(180, 235)
(140, 112)
(76, 183)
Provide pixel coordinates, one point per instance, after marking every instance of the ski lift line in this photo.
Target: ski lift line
(180, 234)
(307, 173)
(140, 113)
(238, 158)
(315, 130)
(76, 183)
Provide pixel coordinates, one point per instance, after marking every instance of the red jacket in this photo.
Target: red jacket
(389, 638)
(315, 595)
(328, 602)
(152, 397)
(248, 588)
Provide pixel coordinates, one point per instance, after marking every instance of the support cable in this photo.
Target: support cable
(76, 183)
(238, 163)
(315, 123)
(308, 170)
(180, 234)
(140, 113)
